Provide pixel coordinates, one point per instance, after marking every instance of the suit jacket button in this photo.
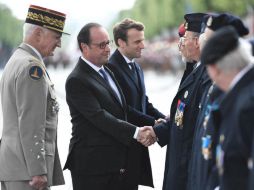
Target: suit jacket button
(122, 171)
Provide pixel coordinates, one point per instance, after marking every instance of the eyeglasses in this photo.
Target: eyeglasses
(180, 43)
(103, 45)
(185, 38)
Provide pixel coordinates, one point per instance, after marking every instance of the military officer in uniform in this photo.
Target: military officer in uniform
(28, 152)
(203, 149)
(229, 62)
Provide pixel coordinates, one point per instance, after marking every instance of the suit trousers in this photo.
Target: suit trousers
(114, 181)
(17, 185)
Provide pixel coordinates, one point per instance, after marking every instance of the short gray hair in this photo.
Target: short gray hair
(28, 29)
(237, 59)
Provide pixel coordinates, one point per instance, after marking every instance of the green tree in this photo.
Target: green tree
(158, 15)
(11, 27)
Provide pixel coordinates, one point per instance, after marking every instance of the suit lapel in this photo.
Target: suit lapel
(191, 78)
(118, 86)
(124, 66)
(96, 76)
(140, 79)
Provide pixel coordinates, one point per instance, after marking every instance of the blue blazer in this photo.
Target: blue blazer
(140, 111)
(134, 90)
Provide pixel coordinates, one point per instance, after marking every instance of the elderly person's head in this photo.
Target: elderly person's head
(225, 55)
(213, 22)
(188, 44)
(43, 29)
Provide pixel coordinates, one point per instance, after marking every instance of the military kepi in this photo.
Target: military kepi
(46, 18)
(193, 22)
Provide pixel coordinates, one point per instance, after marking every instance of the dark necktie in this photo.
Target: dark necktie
(132, 66)
(133, 70)
(102, 71)
(104, 75)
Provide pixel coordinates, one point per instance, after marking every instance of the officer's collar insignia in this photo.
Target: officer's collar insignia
(35, 72)
(209, 21)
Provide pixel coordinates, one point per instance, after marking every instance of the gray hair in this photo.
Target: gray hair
(237, 59)
(29, 28)
(195, 34)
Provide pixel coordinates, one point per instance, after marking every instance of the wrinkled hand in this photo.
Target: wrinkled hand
(39, 182)
(146, 136)
(160, 120)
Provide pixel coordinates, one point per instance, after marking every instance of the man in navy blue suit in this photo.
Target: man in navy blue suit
(129, 38)
(102, 143)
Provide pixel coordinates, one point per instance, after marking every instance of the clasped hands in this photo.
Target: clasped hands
(146, 135)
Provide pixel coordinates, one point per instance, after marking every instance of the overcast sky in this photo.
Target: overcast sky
(78, 11)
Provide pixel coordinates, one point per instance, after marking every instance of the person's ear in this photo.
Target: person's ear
(84, 47)
(121, 43)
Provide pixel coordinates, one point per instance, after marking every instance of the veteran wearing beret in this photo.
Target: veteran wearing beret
(229, 62)
(203, 149)
(29, 157)
(178, 132)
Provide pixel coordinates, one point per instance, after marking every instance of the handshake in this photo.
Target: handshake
(146, 135)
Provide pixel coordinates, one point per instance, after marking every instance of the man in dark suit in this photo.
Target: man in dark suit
(102, 140)
(129, 38)
(229, 63)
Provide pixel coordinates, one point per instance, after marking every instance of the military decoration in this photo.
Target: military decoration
(179, 114)
(55, 107)
(207, 115)
(220, 156)
(206, 147)
(186, 94)
(35, 72)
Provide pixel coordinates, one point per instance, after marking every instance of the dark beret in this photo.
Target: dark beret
(220, 44)
(216, 21)
(193, 21)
